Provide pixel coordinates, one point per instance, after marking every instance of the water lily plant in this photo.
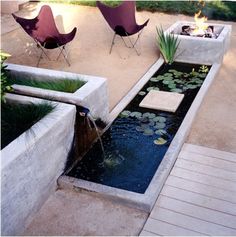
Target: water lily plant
(168, 45)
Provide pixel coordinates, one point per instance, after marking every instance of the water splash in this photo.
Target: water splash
(91, 119)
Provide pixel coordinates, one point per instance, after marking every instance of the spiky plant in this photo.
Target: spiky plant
(17, 118)
(5, 86)
(168, 45)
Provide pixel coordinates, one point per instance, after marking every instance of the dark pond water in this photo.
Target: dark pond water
(138, 139)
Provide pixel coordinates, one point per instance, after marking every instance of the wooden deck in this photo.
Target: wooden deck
(199, 196)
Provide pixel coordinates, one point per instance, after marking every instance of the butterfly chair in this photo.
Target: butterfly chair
(122, 21)
(45, 33)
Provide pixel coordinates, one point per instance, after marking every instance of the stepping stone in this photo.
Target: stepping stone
(162, 100)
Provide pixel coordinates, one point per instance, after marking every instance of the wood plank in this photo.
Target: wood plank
(194, 211)
(194, 224)
(201, 189)
(203, 169)
(204, 179)
(209, 152)
(147, 233)
(198, 199)
(207, 160)
(164, 228)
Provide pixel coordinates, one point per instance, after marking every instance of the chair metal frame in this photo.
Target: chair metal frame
(62, 49)
(132, 44)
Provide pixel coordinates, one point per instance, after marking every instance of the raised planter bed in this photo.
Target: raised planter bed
(32, 163)
(93, 95)
(201, 50)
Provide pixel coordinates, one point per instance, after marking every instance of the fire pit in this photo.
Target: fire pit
(200, 28)
(201, 43)
(191, 31)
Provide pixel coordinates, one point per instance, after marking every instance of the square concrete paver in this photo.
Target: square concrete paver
(162, 100)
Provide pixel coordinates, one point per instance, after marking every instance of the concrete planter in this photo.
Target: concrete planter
(32, 163)
(92, 95)
(201, 50)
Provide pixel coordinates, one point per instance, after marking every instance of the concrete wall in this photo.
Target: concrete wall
(93, 95)
(31, 165)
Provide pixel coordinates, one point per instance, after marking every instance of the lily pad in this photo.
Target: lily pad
(177, 90)
(178, 81)
(160, 132)
(151, 123)
(178, 74)
(146, 115)
(190, 86)
(152, 115)
(171, 86)
(142, 93)
(136, 114)
(168, 74)
(166, 82)
(199, 81)
(139, 129)
(145, 126)
(148, 132)
(202, 75)
(159, 78)
(159, 125)
(125, 113)
(154, 79)
(160, 141)
(153, 88)
(144, 119)
(172, 70)
(159, 119)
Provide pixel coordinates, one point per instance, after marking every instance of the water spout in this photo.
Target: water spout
(91, 119)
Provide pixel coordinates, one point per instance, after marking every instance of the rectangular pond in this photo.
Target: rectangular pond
(139, 138)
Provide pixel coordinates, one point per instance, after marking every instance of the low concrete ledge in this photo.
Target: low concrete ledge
(93, 94)
(32, 163)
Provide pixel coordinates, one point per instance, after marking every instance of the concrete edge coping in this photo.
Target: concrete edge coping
(92, 82)
(147, 200)
(128, 198)
(39, 129)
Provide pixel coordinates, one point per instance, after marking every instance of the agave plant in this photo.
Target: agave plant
(168, 45)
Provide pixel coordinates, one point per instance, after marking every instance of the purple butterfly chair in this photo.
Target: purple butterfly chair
(45, 33)
(122, 21)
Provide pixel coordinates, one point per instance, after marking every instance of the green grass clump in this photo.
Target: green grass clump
(168, 44)
(18, 118)
(64, 85)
